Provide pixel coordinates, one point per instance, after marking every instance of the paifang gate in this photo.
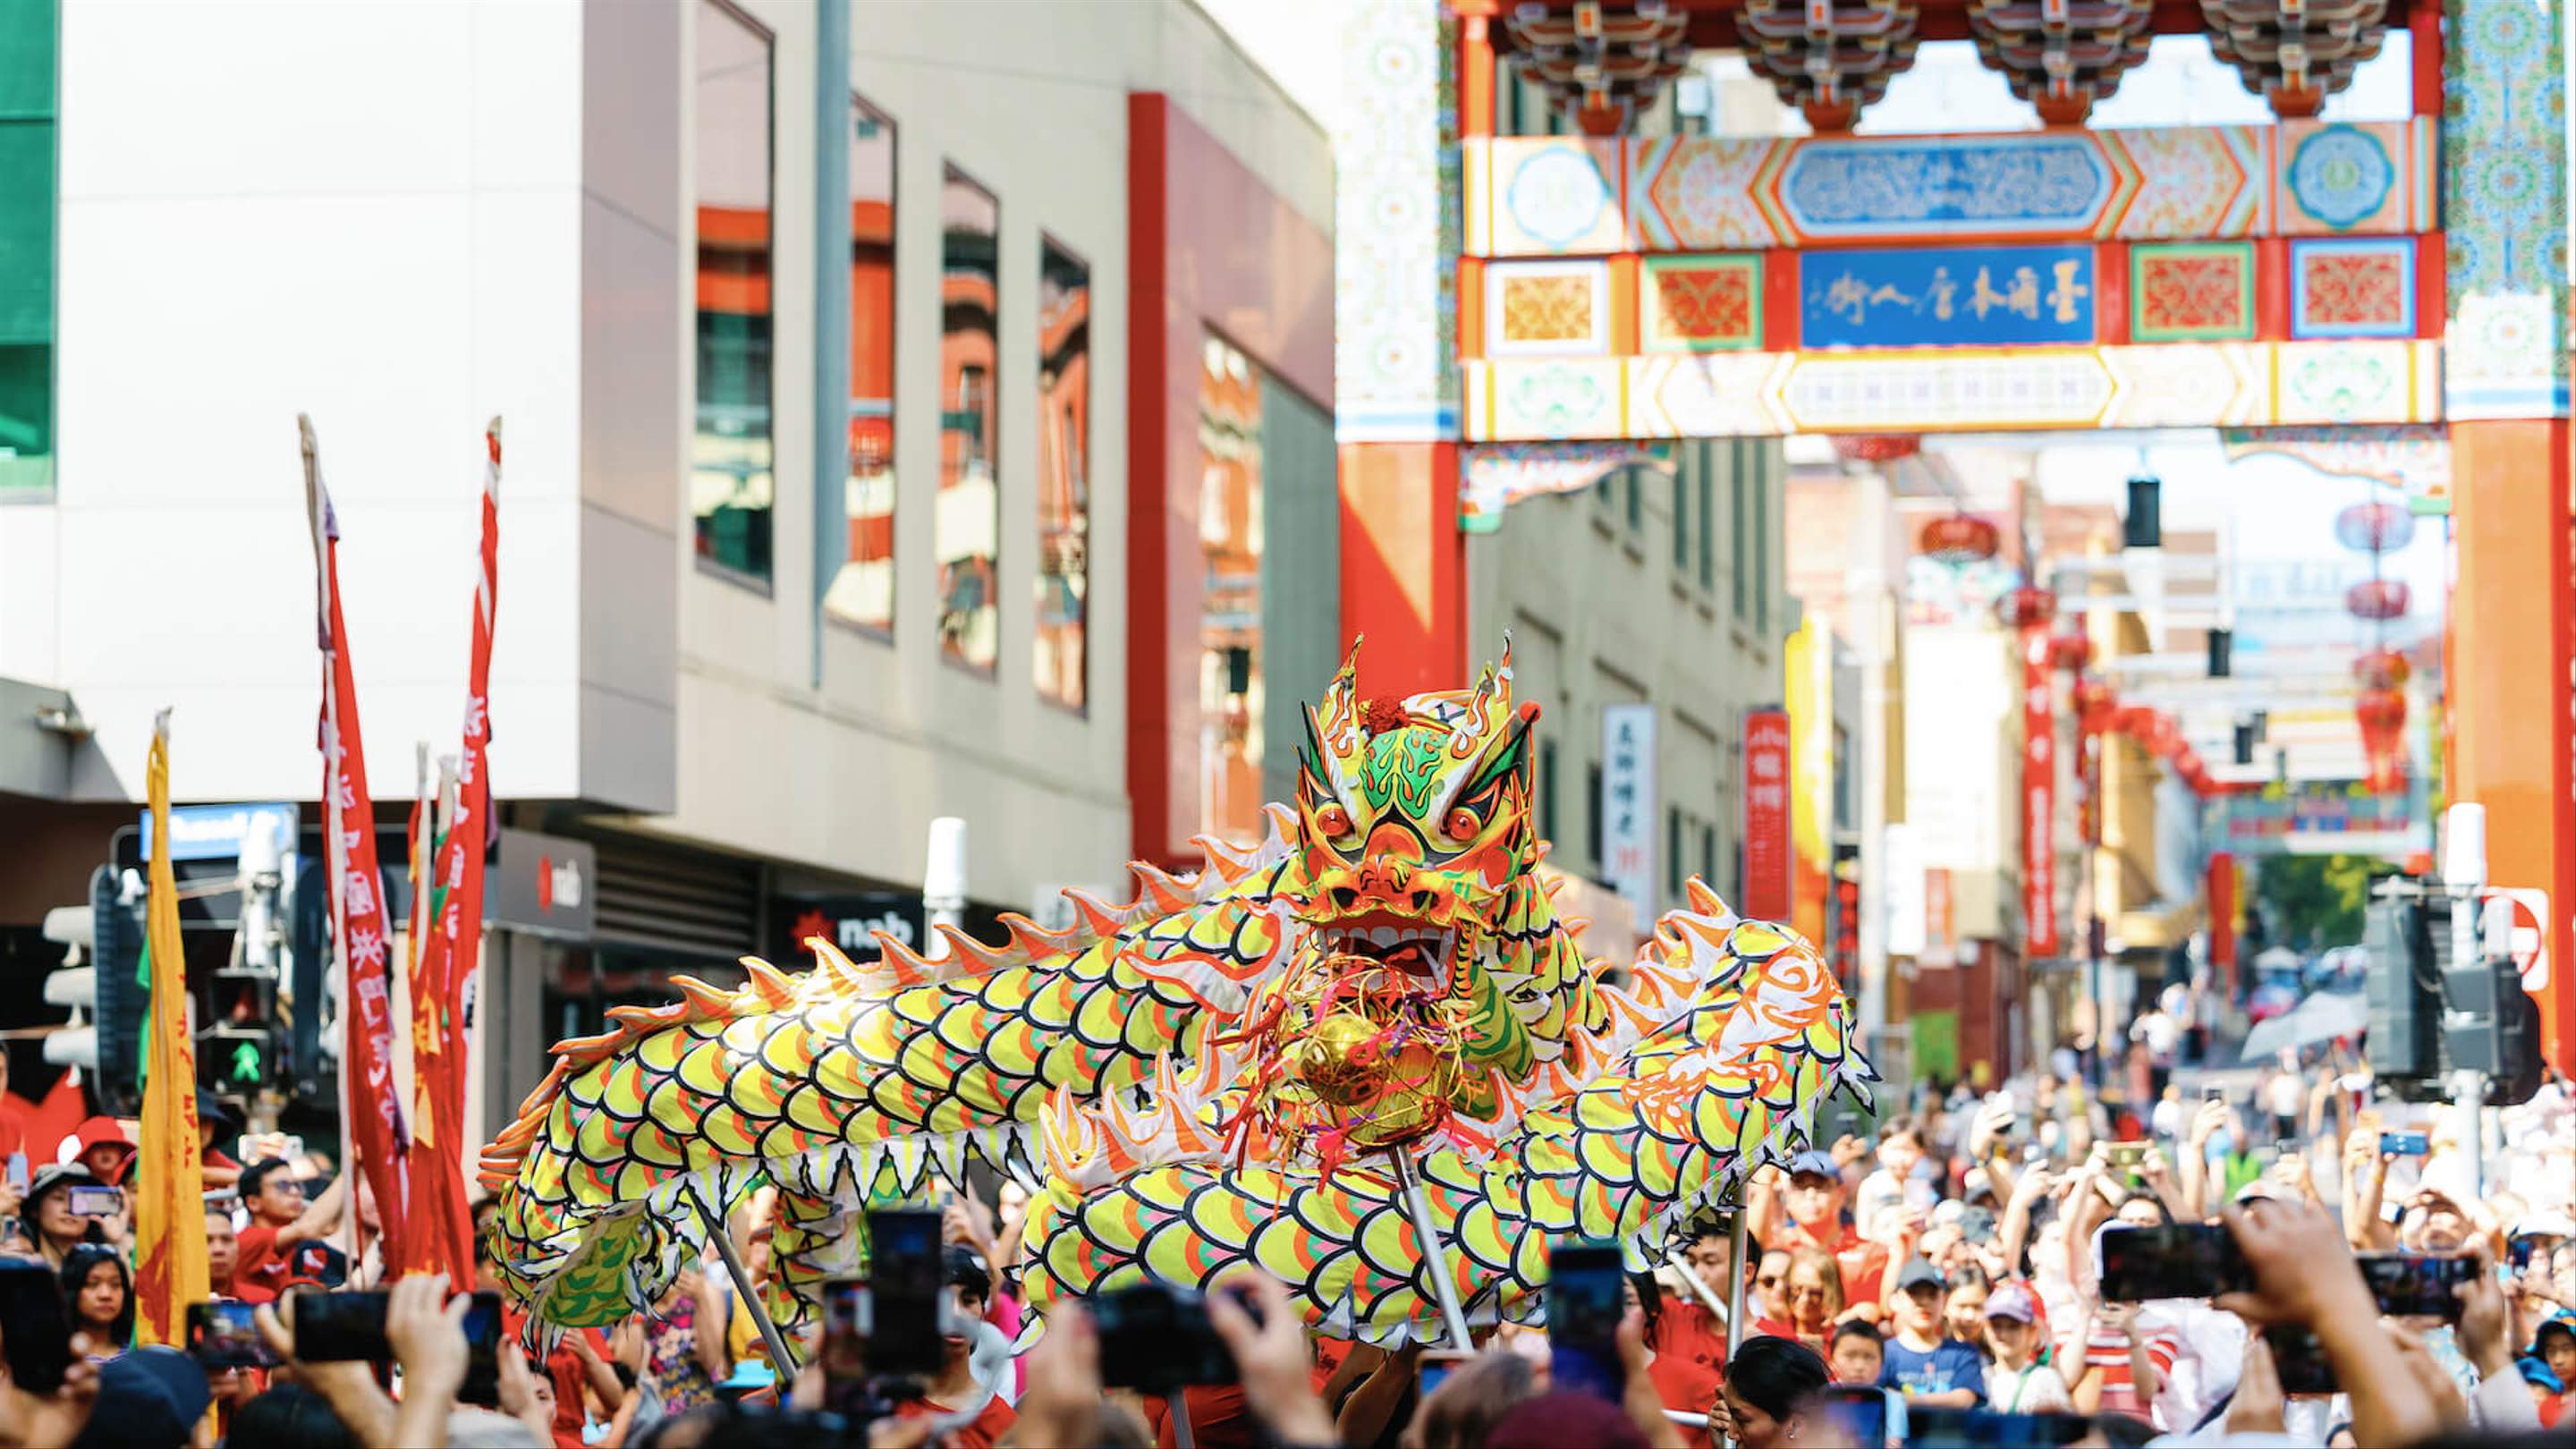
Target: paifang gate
(1520, 313)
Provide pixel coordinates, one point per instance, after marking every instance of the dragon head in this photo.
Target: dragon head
(1417, 826)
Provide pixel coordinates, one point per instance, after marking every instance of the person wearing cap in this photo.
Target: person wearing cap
(216, 1122)
(2017, 1382)
(1809, 1214)
(1923, 1362)
(2555, 1347)
(2548, 1393)
(101, 1148)
(57, 1228)
(150, 1398)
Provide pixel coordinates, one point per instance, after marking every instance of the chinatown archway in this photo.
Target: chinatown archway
(1516, 313)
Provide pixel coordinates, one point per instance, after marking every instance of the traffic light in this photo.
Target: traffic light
(2489, 1024)
(100, 983)
(2407, 939)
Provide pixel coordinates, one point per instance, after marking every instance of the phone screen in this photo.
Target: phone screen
(93, 1202)
(35, 1337)
(2181, 1260)
(1435, 1366)
(2300, 1360)
(2415, 1285)
(2517, 1254)
(845, 1349)
(482, 1326)
(225, 1336)
(1586, 1297)
(2404, 1144)
(341, 1328)
(904, 1292)
(1155, 1338)
(1858, 1414)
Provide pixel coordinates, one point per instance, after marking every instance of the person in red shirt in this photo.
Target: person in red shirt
(216, 1122)
(1814, 1218)
(1684, 1328)
(101, 1147)
(284, 1239)
(223, 1252)
(955, 1389)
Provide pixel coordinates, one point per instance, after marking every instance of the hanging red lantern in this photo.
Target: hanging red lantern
(2379, 599)
(2380, 709)
(2381, 668)
(1877, 447)
(2374, 527)
(2026, 607)
(1960, 539)
(2095, 704)
(2070, 651)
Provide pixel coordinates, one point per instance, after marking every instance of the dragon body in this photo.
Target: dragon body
(1192, 1081)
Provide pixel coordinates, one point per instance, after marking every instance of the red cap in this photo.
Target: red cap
(102, 1132)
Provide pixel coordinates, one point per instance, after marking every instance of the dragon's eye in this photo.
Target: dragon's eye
(1462, 824)
(1333, 820)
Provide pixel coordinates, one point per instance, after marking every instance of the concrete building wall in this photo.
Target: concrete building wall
(1602, 610)
(406, 218)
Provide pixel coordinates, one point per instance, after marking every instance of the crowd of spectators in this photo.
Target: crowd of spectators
(1949, 1263)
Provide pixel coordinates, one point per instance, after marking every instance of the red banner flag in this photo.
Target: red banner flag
(370, 1109)
(1767, 892)
(2038, 800)
(443, 985)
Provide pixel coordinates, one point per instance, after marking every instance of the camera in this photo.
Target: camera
(223, 1335)
(2182, 1260)
(1155, 1338)
(2416, 1285)
(1586, 1298)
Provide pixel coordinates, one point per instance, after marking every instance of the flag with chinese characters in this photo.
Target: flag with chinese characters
(443, 982)
(168, 1187)
(371, 1110)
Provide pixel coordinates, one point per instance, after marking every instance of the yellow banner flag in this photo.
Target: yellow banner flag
(168, 1182)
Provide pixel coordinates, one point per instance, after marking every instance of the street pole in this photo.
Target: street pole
(943, 883)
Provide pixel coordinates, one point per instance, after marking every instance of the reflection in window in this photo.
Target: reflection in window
(730, 483)
(862, 590)
(1231, 740)
(1064, 474)
(967, 524)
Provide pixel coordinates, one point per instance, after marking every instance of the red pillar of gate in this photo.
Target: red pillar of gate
(2510, 646)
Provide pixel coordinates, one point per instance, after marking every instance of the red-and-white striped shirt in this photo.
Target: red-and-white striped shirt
(2108, 1350)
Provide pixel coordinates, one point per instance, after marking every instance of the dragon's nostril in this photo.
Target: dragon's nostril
(1345, 897)
(1422, 900)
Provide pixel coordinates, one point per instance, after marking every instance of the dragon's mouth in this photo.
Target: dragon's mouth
(1424, 950)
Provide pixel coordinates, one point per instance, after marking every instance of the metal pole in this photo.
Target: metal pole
(1435, 1259)
(1698, 1289)
(780, 1359)
(1735, 1290)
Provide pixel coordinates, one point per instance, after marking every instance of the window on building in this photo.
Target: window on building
(1685, 477)
(1636, 499)
(1708, 852)
(1761, 475)
(1672, 852)
(1064, 475)
(1592, 815)
(1547, 789)
(1233, 744)
(1737, 482)
(967, 523)
(1707, 516)
(731, 485)
(27, 65)
(862, 589)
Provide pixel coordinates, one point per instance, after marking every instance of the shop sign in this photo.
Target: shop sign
(544, 885)
(1766, 815)
(1628, 814)
(848, 921)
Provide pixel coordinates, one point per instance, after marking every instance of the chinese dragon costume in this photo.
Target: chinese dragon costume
(1208, 1077)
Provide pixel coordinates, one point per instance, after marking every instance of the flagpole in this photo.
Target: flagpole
(335, 855)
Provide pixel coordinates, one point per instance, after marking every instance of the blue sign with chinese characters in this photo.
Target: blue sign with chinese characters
(1946, 296)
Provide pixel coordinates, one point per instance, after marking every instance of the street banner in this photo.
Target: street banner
(1628, 810)
(169, 1205)
(370, 1109)
(2038, 800)
(1766, 815)
(443, 989)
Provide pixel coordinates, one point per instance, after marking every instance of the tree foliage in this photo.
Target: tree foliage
(2312, 902)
